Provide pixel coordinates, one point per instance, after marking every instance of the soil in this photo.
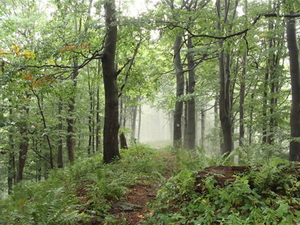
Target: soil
(140, 195)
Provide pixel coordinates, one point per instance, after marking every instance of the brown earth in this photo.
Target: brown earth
(141, 194)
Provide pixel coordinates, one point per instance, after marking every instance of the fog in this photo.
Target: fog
(156, 127)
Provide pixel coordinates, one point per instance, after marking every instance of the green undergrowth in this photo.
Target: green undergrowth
(80, 192)
(268, 194)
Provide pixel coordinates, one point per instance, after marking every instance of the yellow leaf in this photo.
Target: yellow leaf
(50, 61)
(16, 49)
(140, 216)
(28, 55)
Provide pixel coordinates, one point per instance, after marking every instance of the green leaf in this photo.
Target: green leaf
(282, 209)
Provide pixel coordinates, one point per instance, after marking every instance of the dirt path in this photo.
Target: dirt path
(133, 210)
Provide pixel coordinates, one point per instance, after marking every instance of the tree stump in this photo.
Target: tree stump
(123, 141)
(226, 174)
(221, 174)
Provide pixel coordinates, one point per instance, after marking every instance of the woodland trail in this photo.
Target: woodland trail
(134, 207)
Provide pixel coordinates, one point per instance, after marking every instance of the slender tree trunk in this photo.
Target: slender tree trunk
(242, 100)
(60, 163)
(98, 113)
(133, 121)
(111, 121)
(140, 122)
(23, 150)
(11, 178)
(11, 171)
(98, 121)
(295, 81)
(203, 127)
(251, 121)
(70, 119)
(185, 140)
(216, 113)
(177, 130)
(90, 117)
(45, 128)
(265, 103)
(191, 110)
(242, 90)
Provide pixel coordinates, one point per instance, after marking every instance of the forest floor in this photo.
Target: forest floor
(134, 207)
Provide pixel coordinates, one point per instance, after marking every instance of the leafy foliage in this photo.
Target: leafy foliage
(268, 194)
(81, 191)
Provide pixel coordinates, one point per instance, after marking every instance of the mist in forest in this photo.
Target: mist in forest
(157, 128)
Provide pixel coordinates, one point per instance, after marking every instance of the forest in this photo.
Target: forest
(149, 112)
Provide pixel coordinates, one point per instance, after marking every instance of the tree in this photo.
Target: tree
(177, 135)
(225, 83)
(295, 82)
(191, 109)
(111, 121)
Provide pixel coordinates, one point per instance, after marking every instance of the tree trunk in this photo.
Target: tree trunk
(133, 121)
(11, 178)
(70, 118)
(111, 121)
(185, 140)
(191, 111)
(225, 99)
(242, 89)
(60, 163)
(123, 141)
(242, 100)
(140, 122)
(23, 150)
(39, 102)
(265, 103)
(295, 81)
(203, 127)
(90, 117)
(98, 121)
(177, 135)
(251, 121)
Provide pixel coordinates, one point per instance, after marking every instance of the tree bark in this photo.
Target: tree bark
(70, 118)
(203, 127)
(295, 82)
(134, 116)
(242, 89)
(90, 117)
(23, 150)
(191, 110)
(111, 121)
(60, 163)
(177, 135)
(98, 112)
(45, 128)
(11, 178)
(242, 100)
(225, 98)
(140, 122)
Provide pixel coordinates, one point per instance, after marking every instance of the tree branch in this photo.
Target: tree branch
(131, 63)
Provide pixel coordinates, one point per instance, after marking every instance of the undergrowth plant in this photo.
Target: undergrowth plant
(79, 192)
(269, 194)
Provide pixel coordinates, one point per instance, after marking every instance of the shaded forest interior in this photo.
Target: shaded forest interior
(164, 88)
